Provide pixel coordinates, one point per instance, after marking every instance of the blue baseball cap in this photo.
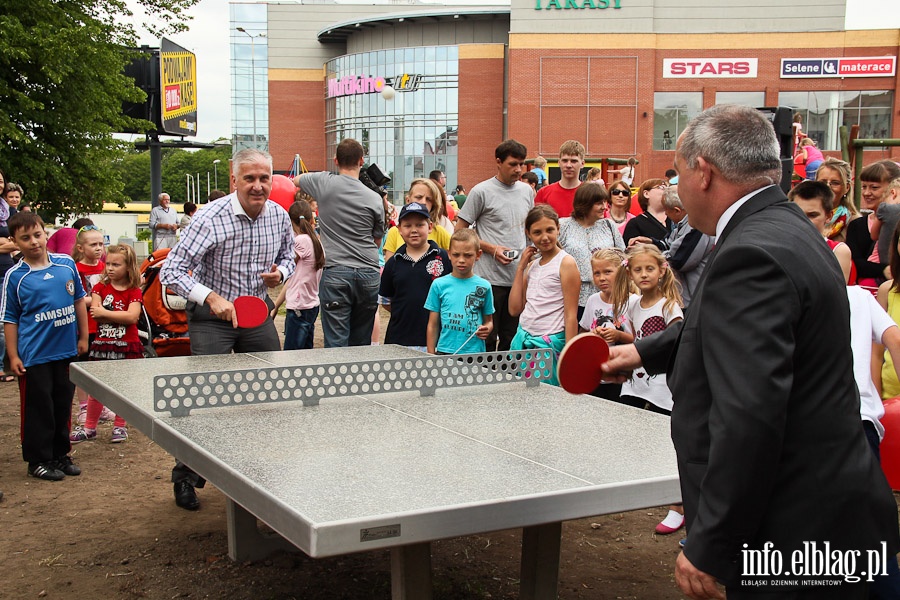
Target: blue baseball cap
(414, 208)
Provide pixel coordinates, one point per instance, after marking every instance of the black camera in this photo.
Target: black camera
(373, 178)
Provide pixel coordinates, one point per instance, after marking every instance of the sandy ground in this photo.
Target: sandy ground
(115, 532)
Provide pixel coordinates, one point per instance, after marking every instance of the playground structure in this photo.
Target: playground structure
(852, 150)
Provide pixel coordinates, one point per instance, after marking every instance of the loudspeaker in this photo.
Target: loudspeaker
(787, 172)
(782, 118)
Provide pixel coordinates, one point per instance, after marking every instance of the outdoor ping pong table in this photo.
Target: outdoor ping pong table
(343, 450)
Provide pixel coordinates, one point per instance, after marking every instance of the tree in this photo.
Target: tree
(176, 162)
(61, 95)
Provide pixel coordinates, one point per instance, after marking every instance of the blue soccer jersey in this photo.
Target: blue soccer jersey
(42, 303)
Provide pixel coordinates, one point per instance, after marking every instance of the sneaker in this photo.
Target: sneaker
(46, 471)
(82, 415)
(68, 467)
(119, 434)
(107, 415)
(82, 434)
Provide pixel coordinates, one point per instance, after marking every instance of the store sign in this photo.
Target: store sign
(353, 85)
(570, 4)
(178, 83)
(862, 66)
(709, 67)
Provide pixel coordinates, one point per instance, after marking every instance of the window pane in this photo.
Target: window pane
(752, 99)
(671, 113)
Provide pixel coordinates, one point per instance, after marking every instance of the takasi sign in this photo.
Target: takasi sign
(859, 66)
(178, 93)
(567, 4)
(709, 67)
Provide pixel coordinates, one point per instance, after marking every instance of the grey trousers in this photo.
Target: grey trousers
(211, 335)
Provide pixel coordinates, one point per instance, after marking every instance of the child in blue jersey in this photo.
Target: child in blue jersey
(46, 326)
(461, 305)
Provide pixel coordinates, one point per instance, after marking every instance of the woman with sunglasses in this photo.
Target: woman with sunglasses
(619, 203)
(652, 226)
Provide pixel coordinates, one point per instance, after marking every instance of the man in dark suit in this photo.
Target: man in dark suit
(766, 420)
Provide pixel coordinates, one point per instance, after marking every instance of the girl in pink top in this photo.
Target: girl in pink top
(301, 292)
(812, 157)
(546, 287)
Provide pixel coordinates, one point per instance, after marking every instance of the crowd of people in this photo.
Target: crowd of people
(723, 302)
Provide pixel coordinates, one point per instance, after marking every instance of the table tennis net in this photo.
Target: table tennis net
(179, 394)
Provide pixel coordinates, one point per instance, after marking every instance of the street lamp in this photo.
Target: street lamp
(190, 186)
(252, 75)
(216, 170)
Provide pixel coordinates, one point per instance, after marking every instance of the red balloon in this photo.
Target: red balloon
(283, 190)
(890, 445)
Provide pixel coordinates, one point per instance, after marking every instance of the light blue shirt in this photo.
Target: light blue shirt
(462, 305)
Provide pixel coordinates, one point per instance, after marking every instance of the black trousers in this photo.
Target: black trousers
(505, 325)
(211, 335)
(45, 394)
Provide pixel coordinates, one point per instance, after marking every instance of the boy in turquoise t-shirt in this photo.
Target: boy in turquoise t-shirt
(46, 327)
(461, 305)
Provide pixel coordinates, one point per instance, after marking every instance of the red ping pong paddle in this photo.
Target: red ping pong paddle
(578, 369)
(251, 311)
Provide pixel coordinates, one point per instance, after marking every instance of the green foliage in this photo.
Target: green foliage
(61, 94)
(134, 170)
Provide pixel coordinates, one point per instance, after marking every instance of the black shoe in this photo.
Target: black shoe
(46, 471)
(68, 467)
(185, 496)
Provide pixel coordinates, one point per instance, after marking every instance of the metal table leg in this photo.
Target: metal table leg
(245, 541)
(411, 572)
(540, 562)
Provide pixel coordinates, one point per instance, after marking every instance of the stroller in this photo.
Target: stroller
(165, 319)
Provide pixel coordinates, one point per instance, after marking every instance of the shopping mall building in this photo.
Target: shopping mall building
(622, 76)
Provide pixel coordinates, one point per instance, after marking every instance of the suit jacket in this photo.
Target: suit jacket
(766, 421)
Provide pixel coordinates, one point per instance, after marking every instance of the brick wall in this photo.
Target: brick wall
(480, 118)
(603, 97)
(297, 123)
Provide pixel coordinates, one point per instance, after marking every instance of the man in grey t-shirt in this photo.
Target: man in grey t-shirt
(351, 224)
(498, 207)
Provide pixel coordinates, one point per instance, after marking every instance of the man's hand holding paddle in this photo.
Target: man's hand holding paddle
(623, 359)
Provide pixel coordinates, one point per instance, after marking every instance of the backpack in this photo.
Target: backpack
(166, 315)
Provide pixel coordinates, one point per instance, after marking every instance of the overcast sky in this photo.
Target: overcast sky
(209, 39)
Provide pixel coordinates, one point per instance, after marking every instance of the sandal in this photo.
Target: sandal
(7, 378)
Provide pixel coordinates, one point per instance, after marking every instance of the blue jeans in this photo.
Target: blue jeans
(349, 299)
(299, 328)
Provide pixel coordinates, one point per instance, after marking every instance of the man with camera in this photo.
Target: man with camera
(497, 208)
(351, 224)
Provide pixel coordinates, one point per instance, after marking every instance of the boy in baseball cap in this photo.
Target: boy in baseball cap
(407, 277)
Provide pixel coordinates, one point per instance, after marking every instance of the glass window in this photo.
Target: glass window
(416, 131)
(752, 99)
(825, 112)
(671, 113)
